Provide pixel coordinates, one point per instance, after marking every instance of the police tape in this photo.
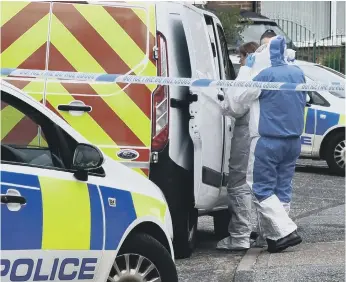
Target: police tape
(74, 77)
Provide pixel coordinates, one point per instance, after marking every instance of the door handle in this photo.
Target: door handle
(13, 199)
(67, 108)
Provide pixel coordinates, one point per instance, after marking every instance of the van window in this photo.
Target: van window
(228, 67)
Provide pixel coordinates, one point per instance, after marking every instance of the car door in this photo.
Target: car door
(51, 223)
(206, 123)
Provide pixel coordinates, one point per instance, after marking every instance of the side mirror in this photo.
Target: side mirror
(308, 100)
(86, 157)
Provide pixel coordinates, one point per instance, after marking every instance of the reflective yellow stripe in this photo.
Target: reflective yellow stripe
(84, 124)
(142, 14)
(111, 152)
(120, 103)
(35, 90)
(71, 49)
(305, 116)
(141, 172)
(66, 210)
(148, 206)
(38, 143)
(9, 118)
(116, 37)
(341, 119)
(9, 9)
(26, 45)
(127, 110)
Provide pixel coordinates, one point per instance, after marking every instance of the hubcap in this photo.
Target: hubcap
(340, 154)
(133, 268)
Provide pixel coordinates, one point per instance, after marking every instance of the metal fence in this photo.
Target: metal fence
(329, 51)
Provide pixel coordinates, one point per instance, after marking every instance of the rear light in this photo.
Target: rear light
(160, 120)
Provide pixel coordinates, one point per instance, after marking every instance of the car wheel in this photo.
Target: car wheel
(335, 153)
(221, 222)
(186, 231)
(143, 259)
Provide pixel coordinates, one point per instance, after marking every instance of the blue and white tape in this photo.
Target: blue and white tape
(170, 81)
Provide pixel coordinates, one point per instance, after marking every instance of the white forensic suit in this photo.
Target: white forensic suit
(239, 193)
(276, 123)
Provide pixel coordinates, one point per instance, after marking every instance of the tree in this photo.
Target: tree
(233, 24)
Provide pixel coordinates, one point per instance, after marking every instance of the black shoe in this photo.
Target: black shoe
(290, 240)
(253, 235)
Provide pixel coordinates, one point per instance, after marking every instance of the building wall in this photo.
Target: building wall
(244, 5)
(315, 16)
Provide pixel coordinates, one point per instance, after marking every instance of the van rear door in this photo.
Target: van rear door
(114, 38)
(206, 123)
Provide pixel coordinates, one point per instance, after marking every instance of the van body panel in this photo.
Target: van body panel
(206, 124)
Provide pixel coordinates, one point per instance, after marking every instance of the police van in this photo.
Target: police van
(174, 136)
(68, 212)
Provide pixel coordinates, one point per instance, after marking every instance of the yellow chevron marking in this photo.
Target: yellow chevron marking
(84, 124)
(26, 45)
(35, 142)
(71, 49)
(10, 116)
(143, 13)
(82, 61)
(127, 110)
(141, 172)
(116, 37)
(111, 152)
(9, 9)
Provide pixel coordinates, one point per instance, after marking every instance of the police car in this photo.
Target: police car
(69, 213)
(324, 131)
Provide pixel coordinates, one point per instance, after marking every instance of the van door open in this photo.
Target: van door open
(206, 123)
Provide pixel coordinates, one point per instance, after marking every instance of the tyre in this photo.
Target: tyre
(176, 183)
(142, 258)
(221, 222)
(185, 232)
(335, 153)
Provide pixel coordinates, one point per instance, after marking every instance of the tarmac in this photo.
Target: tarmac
(318, 208)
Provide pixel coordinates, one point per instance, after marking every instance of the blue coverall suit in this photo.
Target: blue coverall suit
(276, 123)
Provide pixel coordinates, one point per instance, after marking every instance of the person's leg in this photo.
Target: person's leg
(264, 158)
(239, 194)
(286, 172)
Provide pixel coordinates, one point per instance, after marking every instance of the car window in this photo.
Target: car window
(324, 75)
(229, 70)
(253, 32)
(30, 138)
(317, 99)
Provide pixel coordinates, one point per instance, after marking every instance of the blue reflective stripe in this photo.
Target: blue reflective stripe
(310, 121)
(323, 124)
(96, 236)
(20, 179)
(118, 217)
(22, 230)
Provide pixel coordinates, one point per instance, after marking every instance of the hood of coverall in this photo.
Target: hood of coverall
(270, 55)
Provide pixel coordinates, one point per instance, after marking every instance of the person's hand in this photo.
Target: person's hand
(250, 60)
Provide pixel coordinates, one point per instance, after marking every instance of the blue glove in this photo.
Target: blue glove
(250, 60)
